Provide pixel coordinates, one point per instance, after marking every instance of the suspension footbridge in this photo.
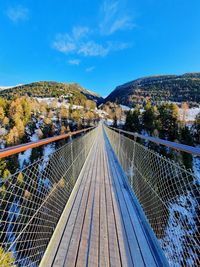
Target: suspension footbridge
(102, 199)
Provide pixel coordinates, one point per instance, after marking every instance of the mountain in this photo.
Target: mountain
(51, 89)
(8, 87)
(176, 88)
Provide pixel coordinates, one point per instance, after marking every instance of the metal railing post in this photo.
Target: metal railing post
(85, 148)
(132, 161)
(72, 157)
(119, 145)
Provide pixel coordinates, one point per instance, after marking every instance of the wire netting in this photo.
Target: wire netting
(32, 201)
(169, 195)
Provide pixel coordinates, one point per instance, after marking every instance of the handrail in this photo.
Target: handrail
(163, 187)
(173, 145)
(5, 152)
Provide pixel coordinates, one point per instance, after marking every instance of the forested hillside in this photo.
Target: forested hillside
(76, 94)
(158, 88)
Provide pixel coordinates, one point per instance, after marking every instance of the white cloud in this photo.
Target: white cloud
(114, 17)
(80, 32)
(88, 48)
(118, 46)
(90, 69)
(80, 42)
(75, 62)
(17, 13)
(121, 24)
(64, 43)
(92, 48)
(67, 43)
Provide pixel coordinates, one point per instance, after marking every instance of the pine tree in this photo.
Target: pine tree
(40, 133)
(136, 125)
(186, 138)
(6, 121)
(13, 136)
(63, 130)
(6, 174)
(115, 122)
(6, 258)
(64, 112)
(128, 122)
(149, 118)
(20, 127)
(168, 121)
(76, 115)
(20, 178)
(2, 114)
(2, 166)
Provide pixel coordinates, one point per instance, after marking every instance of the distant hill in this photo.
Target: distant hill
(176, 88)
(51, 89)
(8, 87)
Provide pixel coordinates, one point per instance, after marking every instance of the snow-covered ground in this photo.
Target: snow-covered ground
(182, 213)
(109, 122)
(24, 158)
(47, 151)
(48, 100)
(189, 114)
(77, 107)
(64, 102)
(125, 108)
(102, 114)
(9, 87)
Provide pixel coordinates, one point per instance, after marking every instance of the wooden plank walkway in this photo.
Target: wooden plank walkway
(100, 226)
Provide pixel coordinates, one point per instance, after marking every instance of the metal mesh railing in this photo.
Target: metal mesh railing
(169, 195)
(32, 201)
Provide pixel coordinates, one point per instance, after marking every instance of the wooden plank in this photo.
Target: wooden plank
(52, 251)
(114, 252)
(133, 246)
(103, 239)
(71, 256)
(103, 228)
(93, 250)
(59, 261)
(141, 238)
(144, 254)
(84, 242)
(121, 231)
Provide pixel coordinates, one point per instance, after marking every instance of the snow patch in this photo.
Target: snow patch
(190, 114)
(24, 158)
(182, 213)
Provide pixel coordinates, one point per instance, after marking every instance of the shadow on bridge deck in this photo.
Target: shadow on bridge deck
(100, 225)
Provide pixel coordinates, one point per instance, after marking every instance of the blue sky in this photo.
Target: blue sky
(99, 44)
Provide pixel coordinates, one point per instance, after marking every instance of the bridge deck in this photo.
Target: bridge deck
(100, 226)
